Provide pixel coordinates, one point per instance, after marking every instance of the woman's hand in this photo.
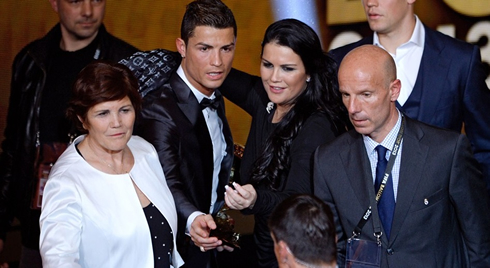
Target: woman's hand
(241, 197)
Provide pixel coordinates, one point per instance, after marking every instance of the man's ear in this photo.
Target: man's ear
(395, 88)
(284, 252)
(180, 44)
(54, 5)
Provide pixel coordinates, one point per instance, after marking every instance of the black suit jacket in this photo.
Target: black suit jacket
(173, 122)
(452, 81)
(441, 215)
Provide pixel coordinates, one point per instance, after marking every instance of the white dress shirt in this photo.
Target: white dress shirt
(407, 59)
(215, 128)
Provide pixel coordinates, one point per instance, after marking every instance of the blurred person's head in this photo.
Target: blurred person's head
(207, 44)
(303, 232)
(79, 20)
(104, 103)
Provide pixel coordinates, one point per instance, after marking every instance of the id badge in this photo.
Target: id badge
(362, 253)
(42, 178)
(48, 154)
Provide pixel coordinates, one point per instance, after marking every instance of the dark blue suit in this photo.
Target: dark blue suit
(450, 90)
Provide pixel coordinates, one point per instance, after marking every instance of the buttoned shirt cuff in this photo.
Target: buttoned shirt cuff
(191, 219)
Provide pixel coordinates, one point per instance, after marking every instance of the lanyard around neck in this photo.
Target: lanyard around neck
(389, 167)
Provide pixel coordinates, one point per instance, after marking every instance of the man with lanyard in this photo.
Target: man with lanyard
(37, 130)
(426, 206)
(443, 79)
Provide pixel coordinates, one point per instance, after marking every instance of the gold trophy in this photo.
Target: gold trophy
(225, 225)
(225, 228)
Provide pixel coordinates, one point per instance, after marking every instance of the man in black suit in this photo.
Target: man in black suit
(193, 139)
(433, 209)
(443, 79)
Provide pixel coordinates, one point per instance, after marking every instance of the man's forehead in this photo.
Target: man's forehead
(354, 86)
(355, 72)
(212, 32)
(358, 81)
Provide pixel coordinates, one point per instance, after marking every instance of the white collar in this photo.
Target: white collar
(389, 141)
(417, 38)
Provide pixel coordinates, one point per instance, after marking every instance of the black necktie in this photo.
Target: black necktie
(211, 103)
(386, 204)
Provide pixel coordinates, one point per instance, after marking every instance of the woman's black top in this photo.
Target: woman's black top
(161, 236)
(251, 96)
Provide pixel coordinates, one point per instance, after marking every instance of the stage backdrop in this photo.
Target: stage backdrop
(156, 24)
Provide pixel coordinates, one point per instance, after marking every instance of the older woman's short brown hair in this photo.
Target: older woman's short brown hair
(98, 82)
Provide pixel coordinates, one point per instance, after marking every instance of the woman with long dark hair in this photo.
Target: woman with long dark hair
(295, 106)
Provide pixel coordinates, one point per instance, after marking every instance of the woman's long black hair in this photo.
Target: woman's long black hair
(321, 95)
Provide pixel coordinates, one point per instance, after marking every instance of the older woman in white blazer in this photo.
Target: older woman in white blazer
(106, 202)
